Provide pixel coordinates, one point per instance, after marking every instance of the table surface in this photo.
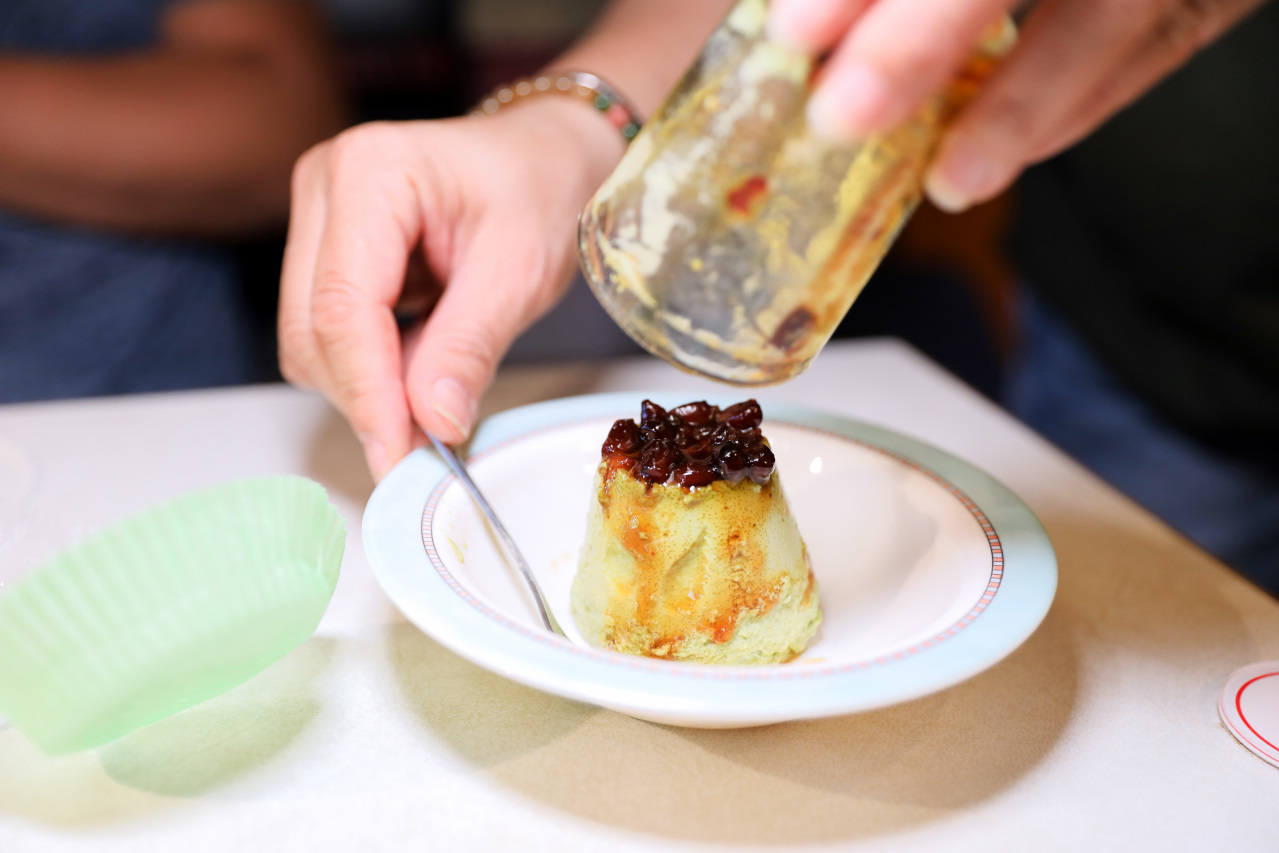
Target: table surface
(1100, 732)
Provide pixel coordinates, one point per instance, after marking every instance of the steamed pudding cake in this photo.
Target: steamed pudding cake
(691, 552)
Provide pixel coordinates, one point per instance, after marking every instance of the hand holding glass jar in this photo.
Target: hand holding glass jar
(731, 239)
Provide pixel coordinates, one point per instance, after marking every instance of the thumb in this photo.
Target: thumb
(490, 300)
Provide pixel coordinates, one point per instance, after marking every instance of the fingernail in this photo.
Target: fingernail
(375, 456)
(961, 175)
(454, 404)
(849, 105)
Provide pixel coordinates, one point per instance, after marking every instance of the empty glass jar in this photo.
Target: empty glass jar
(730, 240)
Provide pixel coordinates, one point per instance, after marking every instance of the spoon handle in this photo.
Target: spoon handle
(459, 470)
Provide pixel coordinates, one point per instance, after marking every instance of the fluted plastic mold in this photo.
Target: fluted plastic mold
(166, 609)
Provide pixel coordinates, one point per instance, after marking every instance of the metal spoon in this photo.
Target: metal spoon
(459, 470)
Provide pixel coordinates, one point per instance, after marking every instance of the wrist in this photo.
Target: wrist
(568, 132)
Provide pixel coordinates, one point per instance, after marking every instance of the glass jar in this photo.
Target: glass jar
(730, 240)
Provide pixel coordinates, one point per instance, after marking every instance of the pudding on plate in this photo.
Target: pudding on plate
(691, 551)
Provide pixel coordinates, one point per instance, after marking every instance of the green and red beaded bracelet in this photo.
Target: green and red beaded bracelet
(580, 84)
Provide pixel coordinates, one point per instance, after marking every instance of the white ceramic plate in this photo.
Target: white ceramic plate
(929, 570)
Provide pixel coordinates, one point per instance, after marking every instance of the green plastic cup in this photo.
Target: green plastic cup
(169, 608)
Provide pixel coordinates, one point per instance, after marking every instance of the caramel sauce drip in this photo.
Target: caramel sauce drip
(670, 604)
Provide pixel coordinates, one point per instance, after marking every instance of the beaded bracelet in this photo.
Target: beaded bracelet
(579, 84)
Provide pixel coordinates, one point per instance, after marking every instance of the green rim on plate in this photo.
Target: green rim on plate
(166, 609)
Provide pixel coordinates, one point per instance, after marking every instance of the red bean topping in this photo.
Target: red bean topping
(724, 433)
(731, 462)
(695, 414)
(695, 474)
(693, 444)
(657, 461)
(623, 438)
(745, 415)
(701, 452)
(651, 414)
(685, 436)
(662, 432)
(761, 462)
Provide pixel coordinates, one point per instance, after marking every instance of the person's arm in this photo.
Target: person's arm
(1077, 63)
(491, 205)
(642, 47)
(195, 136)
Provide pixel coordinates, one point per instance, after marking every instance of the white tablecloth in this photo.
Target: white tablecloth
(1099, 733)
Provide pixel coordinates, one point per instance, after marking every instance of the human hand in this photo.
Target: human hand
(488, 208)
(1076, 63)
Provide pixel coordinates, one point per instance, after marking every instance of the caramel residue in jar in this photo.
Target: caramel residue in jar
(792, 331)
(744, 199)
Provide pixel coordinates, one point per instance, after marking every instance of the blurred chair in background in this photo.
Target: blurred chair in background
(946, 288)
(138, 140)
(400, 59)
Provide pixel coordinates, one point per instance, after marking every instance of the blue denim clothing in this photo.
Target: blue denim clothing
(79, 26)
(85, 314)
(1057, 386)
